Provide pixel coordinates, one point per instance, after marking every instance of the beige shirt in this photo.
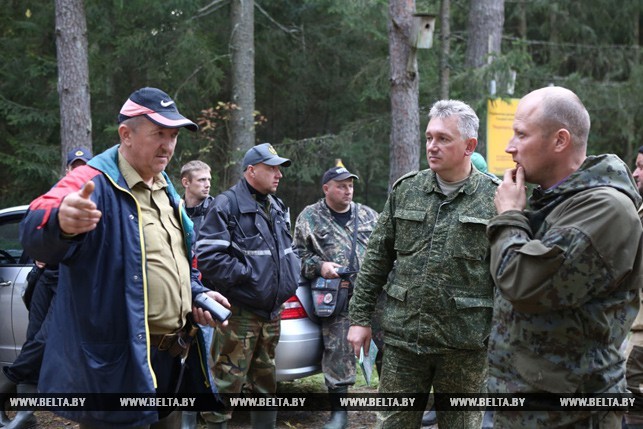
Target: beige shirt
(168, 268)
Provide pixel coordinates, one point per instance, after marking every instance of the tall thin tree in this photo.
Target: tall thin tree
(73, 77)
(485, 25)
(242, 129)
(404, 152)
(445, 47)
(486, 19)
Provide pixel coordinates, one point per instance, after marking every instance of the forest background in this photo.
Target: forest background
(322, 80)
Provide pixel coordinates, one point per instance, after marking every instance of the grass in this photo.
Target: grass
(315, 384)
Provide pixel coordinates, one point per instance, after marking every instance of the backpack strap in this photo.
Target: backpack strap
(233, 220)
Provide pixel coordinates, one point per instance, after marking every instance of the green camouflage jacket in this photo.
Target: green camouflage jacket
(318, 238)
(568, 270)
(440, 293)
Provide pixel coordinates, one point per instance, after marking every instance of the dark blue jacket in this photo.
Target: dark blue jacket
(98, 340)
(247, 256)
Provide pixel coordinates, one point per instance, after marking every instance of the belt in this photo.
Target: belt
(175, 343)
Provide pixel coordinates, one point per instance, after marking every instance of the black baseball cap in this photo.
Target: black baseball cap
(338, 174)
(78, 153)
(156, 106)
(264, 153)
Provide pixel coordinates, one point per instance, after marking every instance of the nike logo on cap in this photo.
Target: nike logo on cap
(166, 103)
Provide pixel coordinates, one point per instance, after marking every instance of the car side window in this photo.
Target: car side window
(10, 248)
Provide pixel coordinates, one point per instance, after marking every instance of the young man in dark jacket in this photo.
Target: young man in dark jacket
(196, 178)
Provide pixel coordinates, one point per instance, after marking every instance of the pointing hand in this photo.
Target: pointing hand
(78, 213)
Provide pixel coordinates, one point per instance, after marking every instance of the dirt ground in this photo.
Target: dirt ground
(241, 420)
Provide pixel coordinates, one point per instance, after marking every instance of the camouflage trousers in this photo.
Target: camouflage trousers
(459, 371)
(338, 361)
(244, 357)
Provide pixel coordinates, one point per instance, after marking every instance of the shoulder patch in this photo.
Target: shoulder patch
(494, 178)
(404, 177)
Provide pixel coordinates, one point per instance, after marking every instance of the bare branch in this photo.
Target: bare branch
(278, 25)
(210, 8)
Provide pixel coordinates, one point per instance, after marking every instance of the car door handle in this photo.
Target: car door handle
(7, 283)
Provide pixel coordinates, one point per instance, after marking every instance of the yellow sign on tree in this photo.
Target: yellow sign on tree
(500, 116)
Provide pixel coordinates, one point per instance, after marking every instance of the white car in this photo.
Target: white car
(298, 353)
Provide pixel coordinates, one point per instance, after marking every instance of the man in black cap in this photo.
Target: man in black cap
(120, 323)
(244, 251)
(331, 234)
(77, 157)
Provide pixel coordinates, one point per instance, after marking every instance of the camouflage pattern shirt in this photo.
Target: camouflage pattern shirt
(440, 293)
(318, 238)
(568, 270)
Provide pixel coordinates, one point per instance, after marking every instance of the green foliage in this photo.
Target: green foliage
(29, 135)
(213, 144)
(357, 146)
(321, 78)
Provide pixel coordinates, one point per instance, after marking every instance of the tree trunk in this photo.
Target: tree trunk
(632, 119)
(445, 45)
(636, 32)
(522, 19)
(405, 128)
(73, 77)
(486, 19)
(553, 36)
(242, 129)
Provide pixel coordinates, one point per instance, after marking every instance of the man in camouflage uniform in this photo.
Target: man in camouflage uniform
(324, 234)
(634, 375)
(244, 247)
(567, 269)
(440, 298)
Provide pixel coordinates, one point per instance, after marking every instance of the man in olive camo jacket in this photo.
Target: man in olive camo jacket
(324, 241)
(567, 268)
(440, 293)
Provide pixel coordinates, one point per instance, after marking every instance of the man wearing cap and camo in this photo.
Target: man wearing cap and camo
(324, 235)
(244, 251)
(43, 280)
(121, 323)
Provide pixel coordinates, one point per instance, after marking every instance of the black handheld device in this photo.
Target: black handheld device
(218, 311)
(345, 271)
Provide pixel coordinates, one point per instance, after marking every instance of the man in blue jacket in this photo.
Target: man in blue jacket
(122, 239)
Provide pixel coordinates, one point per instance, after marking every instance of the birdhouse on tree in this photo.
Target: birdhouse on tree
(422, 31)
